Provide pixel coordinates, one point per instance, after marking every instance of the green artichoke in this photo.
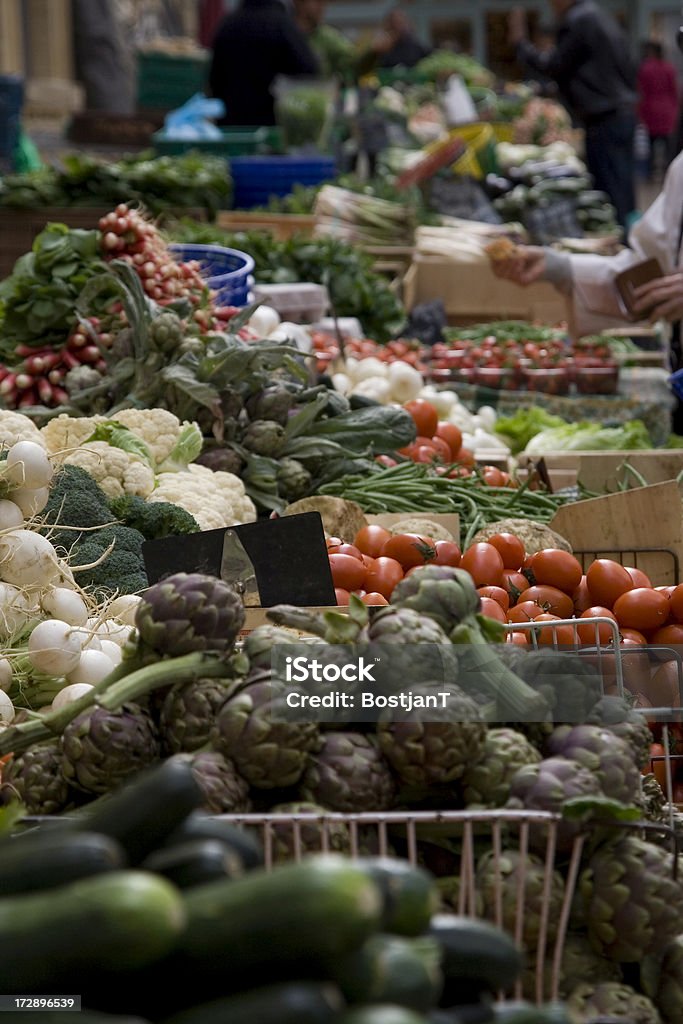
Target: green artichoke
(407, 645)
(264, 437)
(611, 999)
(254, 730)
(395, 625)
(666, 986)
(615, 714)
(101, 748)
(35, 778)
(189, 612)
(188, 714)
(607, 756)
(486, 781)
(224, 791)
(259, 644)
(503, 883)
(432, 746)
(632, 904)
(222, 460)
(293, 479)
(580, 964)
(310, 833)
(166, 332)
(444, 594)
(272, 403)
(546, 787)
(349, 775)
(653, 798)
(570, 685)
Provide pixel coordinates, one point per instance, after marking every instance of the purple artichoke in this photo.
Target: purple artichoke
(189, 612)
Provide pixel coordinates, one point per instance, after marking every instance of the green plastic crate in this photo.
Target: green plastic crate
(166, 82)
(233, 142)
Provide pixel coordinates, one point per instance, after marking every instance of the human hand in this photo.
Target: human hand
(661, 299)
(525, 267)
(517, 26)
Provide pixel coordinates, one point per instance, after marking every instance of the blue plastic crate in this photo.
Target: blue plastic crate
(226, 271)
(256, 179)
(676, 381)
(11, 101)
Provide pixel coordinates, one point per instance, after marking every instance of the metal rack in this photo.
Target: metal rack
(629, 556)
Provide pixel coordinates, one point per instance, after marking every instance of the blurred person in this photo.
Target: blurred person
(397, 45)
(658, 106)
(544, 42)
(252, 46)
(335, 53)
(596, 79)
(102, 57)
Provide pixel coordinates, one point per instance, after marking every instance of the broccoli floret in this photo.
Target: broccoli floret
(123, 570)
(75, 501)
(154, 519)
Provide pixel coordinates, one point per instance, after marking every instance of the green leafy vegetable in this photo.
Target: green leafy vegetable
(519, 429)
(590, 437)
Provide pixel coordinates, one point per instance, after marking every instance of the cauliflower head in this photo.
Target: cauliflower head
(158, 428)
(114, 470)
(215, 499)
(14, 426)
(64, 433)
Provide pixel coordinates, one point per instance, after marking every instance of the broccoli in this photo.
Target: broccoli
(75, 501)
(154, 519)
(123, 570)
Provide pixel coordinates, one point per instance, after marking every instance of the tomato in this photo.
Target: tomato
(607, 581)
(595, 634)
(452, 435)
(517, 637)
(635, 666)
(345, 549)
(341, 596)
(515, 584)
(492, 610)
(678, 792)
(465, 457)
(581, 597)
(642, 608)
(386, 461)
(347, 572)
(333, 542)
(556, 568)
(383, 576)
(497, 594)
(371, 539)
(665, 686)
(374, 598)
(442, 449)
(665, 590)
(447, 553)
(676, 604)
(639, 577)
(669, 636)
(425, 416)
(562, 636)
(425, 453)
(634, 636)
(551, 600)
(484, 564)
(658, 764)
(410, 549)
(494, 477)
(526, 611)
(367, 561)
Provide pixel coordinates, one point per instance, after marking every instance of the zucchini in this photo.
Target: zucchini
(144, 812)
(409, 894)
(390, 969)
(381, 1015)
(119, 921)
(195, 862)
(242, 843)
(477, 957)
(55, 858)
(293, 1003)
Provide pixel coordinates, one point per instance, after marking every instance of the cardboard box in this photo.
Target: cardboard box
(603, 472)
(471, 293)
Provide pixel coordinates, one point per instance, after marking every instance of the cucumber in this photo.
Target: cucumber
(293, 1003)
(390, 969)
(306, 914)
(409, 894)
(381, 1015)
(55, 858)
(144, 812)
(477, 957)
(119, 921)
(200, 826)
(196, 862)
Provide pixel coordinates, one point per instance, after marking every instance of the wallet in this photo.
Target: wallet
(627, 282)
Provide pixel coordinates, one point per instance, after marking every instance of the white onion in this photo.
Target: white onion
(11, 516)
(27, 559)
(14, 610)
(123, 608)
(28, 465)
(5, 674)
(88, 640)
(31, 500)
(6, 709)
(112, 650)
(92, 667)
(61, 603)
(53, 648)
(68, 694)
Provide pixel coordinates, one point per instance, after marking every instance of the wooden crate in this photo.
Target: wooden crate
(281, 225)
(603, 472)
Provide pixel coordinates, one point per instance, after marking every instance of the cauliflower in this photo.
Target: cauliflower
(64, 433)
(215, 499)
(114, 470)
(158, 428)
(14, 426)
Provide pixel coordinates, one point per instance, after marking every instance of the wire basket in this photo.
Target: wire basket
(227, 271)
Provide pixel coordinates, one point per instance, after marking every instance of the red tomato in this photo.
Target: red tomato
(374, 598)
(551, 600)
(665, 686)
(345, 549)
(594, 634)
(371, 539)
(442, 449)
(669, 636)
(642, 608)
(447, 553)
(333, 542)
(383, 576)
(494, 477)
(452, 435)
(638, 576)
(676, 604)
(465, 457)
(484, 564)
(347, 572)
(632, 636)
(525, 611)
(425, 416)
(607, 581)
(341, 596)
(386, 461)
(410, 549)
(518, 637)
(367, 561)
(581, 597)
(665, 590)
(556, 568)
(562, 636)
(425, 453)
(515, 584)
(492, 609)
(497, 594)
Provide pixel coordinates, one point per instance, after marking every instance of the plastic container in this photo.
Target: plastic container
(166, 81)
(233, 142)
(226, 271)
(297, 303)
(548, 380)
(11, 101)
(257, 178)
(500, 378)
(597, 380)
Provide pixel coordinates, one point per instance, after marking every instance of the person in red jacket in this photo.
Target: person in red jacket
(658, 105)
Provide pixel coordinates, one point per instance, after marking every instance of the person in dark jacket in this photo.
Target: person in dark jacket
(400, 46)
(596, 77)
(252, 46)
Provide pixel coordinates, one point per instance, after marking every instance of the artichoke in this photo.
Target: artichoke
(569, 684)
(224, 791)
(35, 778)
(311, 834)
(427, 746)
(264, 437)
(189, 612)
(101, 748)
(349, 774)
(272, 403)
(614, 713)
(407, 645)
(166, 332)
(545, 787)
(502, 883)
(632, 904)
(607, 756)
(188, 714)
(580, 963)
(653, 798)
(394, 625)
(293, 479)
(259, 644)
(666, 988)
(444, 594)
(486, 781)
(254, 729)
(611, 999)
(222, 460)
